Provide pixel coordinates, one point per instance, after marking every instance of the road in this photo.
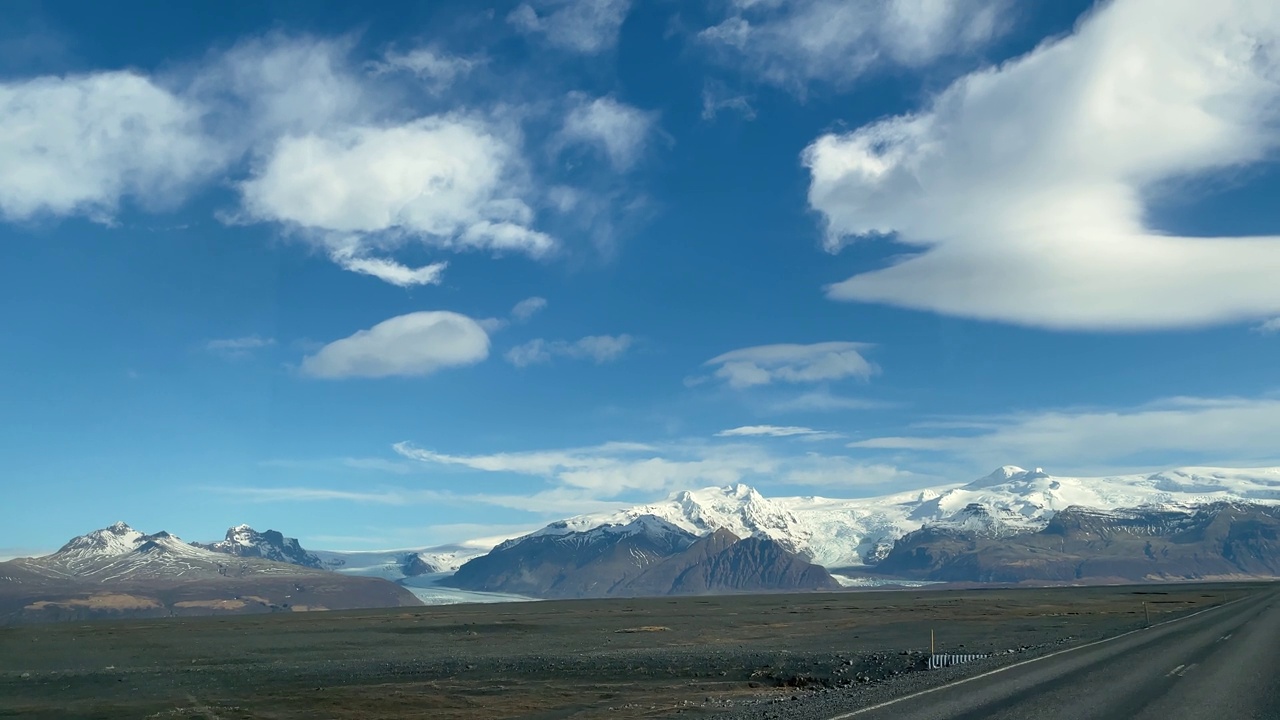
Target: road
(1222, 663)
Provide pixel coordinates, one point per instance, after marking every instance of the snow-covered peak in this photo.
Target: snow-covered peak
(112, 540)
(1000, 476)
(244, 541)
(738, 508)
(168, 543)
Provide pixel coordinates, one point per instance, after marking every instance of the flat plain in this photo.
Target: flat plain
(715, 656)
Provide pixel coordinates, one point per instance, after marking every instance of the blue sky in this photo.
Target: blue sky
(397, 276)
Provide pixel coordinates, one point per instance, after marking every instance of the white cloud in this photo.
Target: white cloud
(765, 364)
(444, 180)
(1222, 430)
(618, 130)
(419, 343)
(527, 308)
(1269, 326)
(790, 43)
(81, 144)
(437, 68)
(782, 431)
(609, 470)
(585, 26)
(347, 256)
(1025, 186)
(239, 347)
(448, 182)
(599, 349)
(277, 85)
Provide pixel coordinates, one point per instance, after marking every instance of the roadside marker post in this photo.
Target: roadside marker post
(1146, 613)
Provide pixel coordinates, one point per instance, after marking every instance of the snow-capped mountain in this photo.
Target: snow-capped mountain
(838, 533)
(120, 553)
(244, 541)
(119, 572)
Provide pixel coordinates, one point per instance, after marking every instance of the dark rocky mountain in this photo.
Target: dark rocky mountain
(1213, 541)
(722, 563)
(120, 572)
(647, 556)
(244, 541)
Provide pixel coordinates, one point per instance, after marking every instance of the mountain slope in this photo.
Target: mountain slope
(593, 563)
(1079, 544)
(646, 556)
(721, 562)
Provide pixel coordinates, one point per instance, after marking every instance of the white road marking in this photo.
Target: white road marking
(1173, 671)
(1224, 637)
(1186, 670)
(997, 671)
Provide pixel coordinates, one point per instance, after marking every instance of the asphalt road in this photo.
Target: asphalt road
(1222, 663)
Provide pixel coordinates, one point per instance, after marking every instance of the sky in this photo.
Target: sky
(402, 274)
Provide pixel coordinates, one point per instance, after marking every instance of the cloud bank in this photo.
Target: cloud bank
(1025, 188)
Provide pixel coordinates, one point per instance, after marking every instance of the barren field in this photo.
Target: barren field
(724, 656)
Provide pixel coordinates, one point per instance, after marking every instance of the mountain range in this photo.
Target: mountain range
(120, 572)
(861, 532)
(1217, 541)
(1013, 525)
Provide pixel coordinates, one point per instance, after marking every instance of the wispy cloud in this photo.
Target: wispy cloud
(555, 502)
(239, 347)
(599, 349)
(584, 26)
(819, 362)
(793, 43)
(824, 401)
(1268, 327)
(431, 64)
(780, 431)
(527, 308)
(1197, 430)
(616, 129)
(717, 98)
(609, 470)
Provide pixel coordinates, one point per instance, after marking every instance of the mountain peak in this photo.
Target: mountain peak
(243, 541)
(119, 528)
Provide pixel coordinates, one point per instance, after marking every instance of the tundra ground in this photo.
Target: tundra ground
(719, 656)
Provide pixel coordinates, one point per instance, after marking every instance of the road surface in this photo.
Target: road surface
(1222, 663)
